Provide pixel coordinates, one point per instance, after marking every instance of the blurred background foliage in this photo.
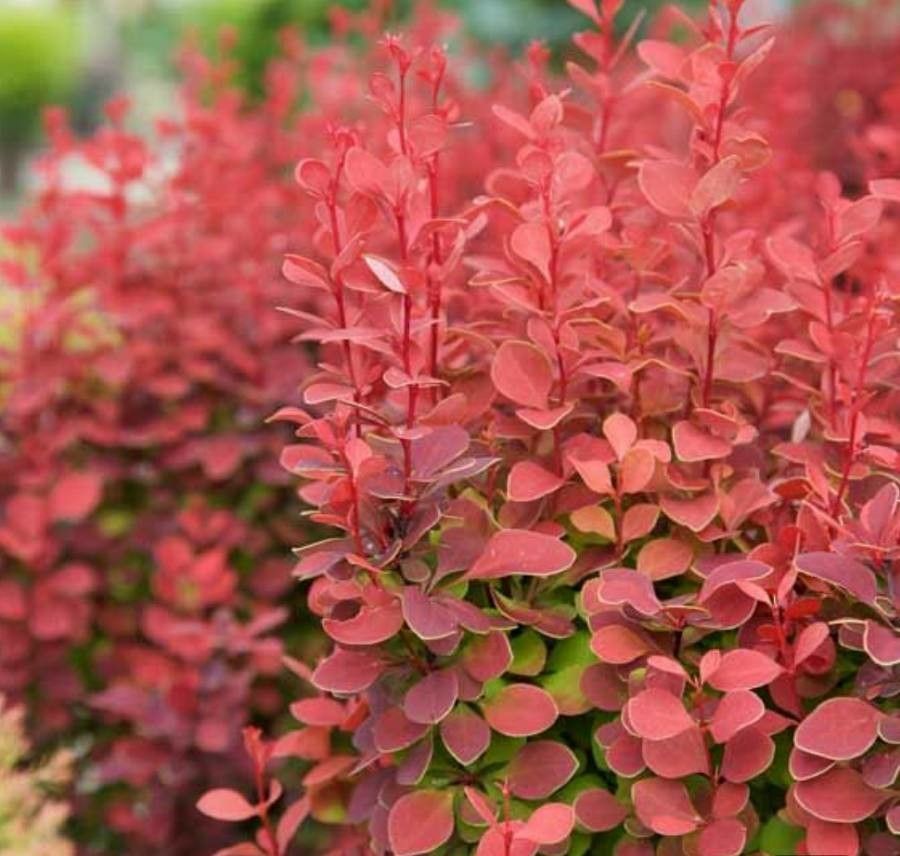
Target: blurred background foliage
(80, 52)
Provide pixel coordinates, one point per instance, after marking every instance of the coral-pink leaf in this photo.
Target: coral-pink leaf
(521, 551)
(520, 710)
(420, 822)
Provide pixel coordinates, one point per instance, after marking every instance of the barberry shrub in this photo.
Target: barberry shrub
(140, 358)
(145, 524)
(609, 454)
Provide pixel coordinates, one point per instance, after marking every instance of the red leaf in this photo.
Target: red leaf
(621, 432)
(595, 474)
(598, 810)
(716, 186)
(693, 444)
(792, 258)
(668, 186)
(842, 571)
(636, 471)
(831, 839)
(724, 837)
(656, 714)
(481, 804)
(736, 710)
(347, 671)
(385, 274)
(803, 766)
(664, 558)
(881, 643)
(663, 57)
(433, 697)
(679, 756)
(466, 735)
(522, 373)
(839, 729)
(549, 824)
(75, 496)
(529, 481)
(539, 768)
(520, 551)
(394, 731)
(305, 272)
(622, 585)
(420, 822)
(520, 710)
(744, 669)
(365, 172)
(887, 189)
(664, 806)
(226, 804)
(318, 711)
(427, 618)
(809, 640)
(487, 657)
(639, 521)
(371, 625)
(695, 513)
(531, 243)
(615, 643)
(839, 795)
(747, 755)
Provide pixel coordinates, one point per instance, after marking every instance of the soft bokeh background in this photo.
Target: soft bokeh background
(80, 52)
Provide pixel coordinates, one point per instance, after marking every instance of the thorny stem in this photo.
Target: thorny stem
(554, 276)
(406, 356)
(829, 323)
(855, 407)
(708, 226)
(265, 820)
(354, 498)
(435, 255)
(339, 291)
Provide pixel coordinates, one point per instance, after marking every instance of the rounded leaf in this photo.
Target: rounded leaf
(466, 735)
(523, 552)
(347, 672)
(657, 714)
(839, 795)
(433, 697)
(549, 824)
(225, 804)
(597, 810)
(539, 768)
(744, 669)
(522, 373)
(420, 822)
(839, 729)
(520, 710)
(664, 806)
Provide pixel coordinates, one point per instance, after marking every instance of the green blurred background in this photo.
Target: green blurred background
(80, 52)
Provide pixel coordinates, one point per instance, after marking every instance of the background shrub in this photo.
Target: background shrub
(610, 456)
(596, 439)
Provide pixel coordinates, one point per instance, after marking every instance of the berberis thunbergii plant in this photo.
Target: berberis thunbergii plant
(609, 454)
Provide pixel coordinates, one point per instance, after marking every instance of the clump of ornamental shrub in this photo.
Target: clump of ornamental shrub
(608, 457)
(31, 812)
(145, 524)
(140, 356)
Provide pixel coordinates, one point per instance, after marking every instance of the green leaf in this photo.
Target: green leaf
(529, 653)
(778, 838)
(575, 650)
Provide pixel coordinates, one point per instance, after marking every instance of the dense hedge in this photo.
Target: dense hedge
(597, 442)
(610, 455)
